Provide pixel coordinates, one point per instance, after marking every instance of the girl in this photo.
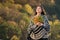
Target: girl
(44, 23)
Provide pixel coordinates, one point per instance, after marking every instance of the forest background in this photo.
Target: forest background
(15, 17)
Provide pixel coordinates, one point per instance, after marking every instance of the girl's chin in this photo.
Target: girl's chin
(39, 12)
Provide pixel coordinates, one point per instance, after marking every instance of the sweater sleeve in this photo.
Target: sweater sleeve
(29, 27)
(46, 24)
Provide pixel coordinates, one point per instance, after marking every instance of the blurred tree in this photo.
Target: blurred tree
(21, 1)
(28, 8)
(8, 29)
(14, 37)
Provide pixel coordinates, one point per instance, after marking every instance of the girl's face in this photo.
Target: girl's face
(38, 9)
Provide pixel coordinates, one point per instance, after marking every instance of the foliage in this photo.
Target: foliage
(14, 37)
(28, 9)
(15, 16)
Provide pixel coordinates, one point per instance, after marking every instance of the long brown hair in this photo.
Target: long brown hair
(43, 11)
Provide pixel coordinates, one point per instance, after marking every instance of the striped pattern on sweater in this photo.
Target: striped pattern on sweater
(38, 32)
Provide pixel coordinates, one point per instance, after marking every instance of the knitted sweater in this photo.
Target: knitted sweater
(46, 26)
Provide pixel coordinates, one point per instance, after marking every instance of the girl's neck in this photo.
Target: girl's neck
(38, 14)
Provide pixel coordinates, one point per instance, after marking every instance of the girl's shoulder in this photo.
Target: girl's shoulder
(43, 16)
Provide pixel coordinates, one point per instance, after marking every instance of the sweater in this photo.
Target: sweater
(46, 26)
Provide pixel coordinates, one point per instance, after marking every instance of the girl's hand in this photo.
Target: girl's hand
(39, 24)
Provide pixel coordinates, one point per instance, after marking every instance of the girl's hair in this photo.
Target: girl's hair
(43, 11)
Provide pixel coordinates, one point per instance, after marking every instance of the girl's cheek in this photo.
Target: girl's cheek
(40, 10)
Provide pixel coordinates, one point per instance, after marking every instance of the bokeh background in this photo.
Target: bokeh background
(15, 16)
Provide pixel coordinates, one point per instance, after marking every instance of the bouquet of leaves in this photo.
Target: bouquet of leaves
(38, 19)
